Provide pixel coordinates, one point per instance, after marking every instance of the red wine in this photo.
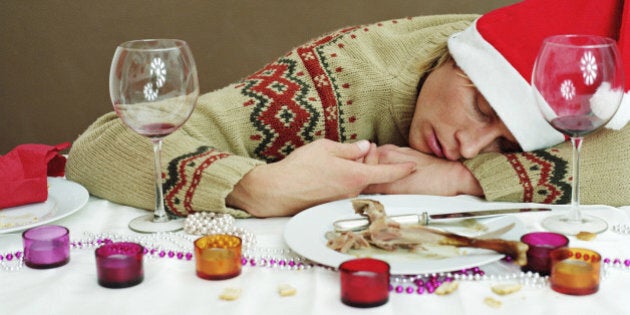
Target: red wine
(577, 125)
(156, 130)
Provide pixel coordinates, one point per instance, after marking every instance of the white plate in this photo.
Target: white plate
(64, 198)
(305, 232)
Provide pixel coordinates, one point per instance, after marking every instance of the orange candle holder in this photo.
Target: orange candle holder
(218, 256)
(575, 271)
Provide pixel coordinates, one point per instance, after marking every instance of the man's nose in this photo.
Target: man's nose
(474, 141)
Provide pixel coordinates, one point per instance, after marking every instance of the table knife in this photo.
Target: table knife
(424, 218)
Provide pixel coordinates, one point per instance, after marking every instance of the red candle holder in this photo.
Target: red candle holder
(364, 282)
(575, 271)
(540, 245)
(46, 246)
(119, 265)
(218, 256)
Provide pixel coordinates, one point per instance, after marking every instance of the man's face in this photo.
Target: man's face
(454, 121)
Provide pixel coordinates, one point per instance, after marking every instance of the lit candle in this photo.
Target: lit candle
(575, 271)
(540, 245)
(119, 265)
(218, 256)
(46, 246)
(364, 282)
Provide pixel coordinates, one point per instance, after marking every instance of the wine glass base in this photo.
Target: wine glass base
(145, 224)
(562, 224)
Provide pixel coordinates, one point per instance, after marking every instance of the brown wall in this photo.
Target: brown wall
(55, 55)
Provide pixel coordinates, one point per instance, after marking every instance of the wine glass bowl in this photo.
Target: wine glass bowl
(578, 84)
(154, 87)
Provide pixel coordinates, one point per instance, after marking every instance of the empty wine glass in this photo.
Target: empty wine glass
(578, 85)
(154, 88)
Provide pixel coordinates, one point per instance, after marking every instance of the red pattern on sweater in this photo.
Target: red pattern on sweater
(546, 168)
(528, 191)
(551, 191)
(199, 162)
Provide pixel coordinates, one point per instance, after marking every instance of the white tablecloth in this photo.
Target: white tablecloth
(172, 287)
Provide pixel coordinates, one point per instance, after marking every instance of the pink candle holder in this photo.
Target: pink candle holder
(364, 282)
(575, 271)
(119, 265)
(46, 246)
(540, 246)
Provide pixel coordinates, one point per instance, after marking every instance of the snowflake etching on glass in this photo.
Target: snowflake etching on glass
(588, 66)
(157, 70)
(567, 89)
(150, 94)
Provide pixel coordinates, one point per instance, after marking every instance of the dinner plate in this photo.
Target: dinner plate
(64, 198)
(305, 232)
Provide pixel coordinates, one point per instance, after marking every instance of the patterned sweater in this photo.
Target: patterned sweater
(356, 83)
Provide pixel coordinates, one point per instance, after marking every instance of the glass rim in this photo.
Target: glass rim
(197, 242)
(365, 264)
(550, 238)
(558, 253)
(597, 40)
(129, 249)
(142, 44)
(29, 234)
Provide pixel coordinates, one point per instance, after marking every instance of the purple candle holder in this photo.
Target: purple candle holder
(46, 246)
(364, 282)
(119, 265)
(540, 246)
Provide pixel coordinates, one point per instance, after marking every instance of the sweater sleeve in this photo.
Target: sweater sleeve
(115, 163)
(545, 175)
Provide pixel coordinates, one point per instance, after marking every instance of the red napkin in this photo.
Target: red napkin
(23, 173)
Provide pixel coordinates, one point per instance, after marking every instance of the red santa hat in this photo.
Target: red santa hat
(498, 51)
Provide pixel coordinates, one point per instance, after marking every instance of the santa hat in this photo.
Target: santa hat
(498, 51)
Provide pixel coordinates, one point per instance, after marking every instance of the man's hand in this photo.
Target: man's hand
(433, 175)
(318, 172)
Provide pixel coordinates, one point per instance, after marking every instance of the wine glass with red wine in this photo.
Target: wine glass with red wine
(154, 88)
(578, 84)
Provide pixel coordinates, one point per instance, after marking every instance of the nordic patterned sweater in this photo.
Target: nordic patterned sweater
(355, 83)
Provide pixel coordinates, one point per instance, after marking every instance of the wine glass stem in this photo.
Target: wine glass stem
(576, 215)
(159, 215)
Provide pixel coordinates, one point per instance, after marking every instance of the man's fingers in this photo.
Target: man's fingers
(372, 156)
(350, 151)
(386, 173)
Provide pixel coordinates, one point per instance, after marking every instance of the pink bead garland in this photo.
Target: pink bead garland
(406, 284)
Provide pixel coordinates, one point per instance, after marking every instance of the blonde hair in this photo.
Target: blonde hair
(440, 55)
(444, 56)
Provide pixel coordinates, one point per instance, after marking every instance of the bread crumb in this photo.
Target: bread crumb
(230, 294)
(286, 290)
(492, 302)
(447, 288)
(506, 288)
(586, 236)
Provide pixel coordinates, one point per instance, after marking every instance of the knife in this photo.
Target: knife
(424, 218)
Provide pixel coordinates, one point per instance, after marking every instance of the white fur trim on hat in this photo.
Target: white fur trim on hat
(622, 117)
(504, 88)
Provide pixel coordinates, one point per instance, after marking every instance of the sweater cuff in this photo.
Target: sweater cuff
(202, 182)
(497, 177)
(541, 176)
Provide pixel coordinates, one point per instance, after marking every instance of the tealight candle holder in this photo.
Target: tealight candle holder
(119, 265)
(364, 282)
(575, 271)
(540, 245)
(46, 246)
(218, 256)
